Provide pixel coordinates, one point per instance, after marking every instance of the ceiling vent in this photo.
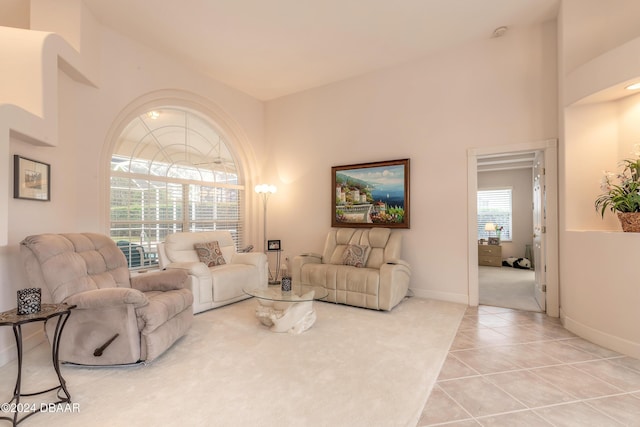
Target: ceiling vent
(499, 32)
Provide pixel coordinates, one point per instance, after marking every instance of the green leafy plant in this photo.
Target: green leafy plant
(621, 192)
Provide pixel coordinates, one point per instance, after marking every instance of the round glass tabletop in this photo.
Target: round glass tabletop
(298, 293)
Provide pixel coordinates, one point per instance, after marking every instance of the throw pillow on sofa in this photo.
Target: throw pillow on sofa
(209, 253)
(356, 255)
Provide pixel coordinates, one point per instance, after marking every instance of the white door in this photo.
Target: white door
(539, 230)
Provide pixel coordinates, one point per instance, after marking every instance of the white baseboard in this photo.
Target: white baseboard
(604, 339)
(441, 296)
(10, 353)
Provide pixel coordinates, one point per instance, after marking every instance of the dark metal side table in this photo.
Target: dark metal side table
(15, 320)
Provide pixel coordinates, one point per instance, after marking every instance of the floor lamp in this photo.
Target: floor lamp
(264, 191)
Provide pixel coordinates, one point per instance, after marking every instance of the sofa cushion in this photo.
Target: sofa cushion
(228, 280)
(345, 284)
(209, 253)
(356, 255)
(179, 246)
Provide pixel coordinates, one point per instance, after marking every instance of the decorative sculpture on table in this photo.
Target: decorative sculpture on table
(294, 317)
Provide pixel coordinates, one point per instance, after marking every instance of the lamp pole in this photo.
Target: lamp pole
(265, 190)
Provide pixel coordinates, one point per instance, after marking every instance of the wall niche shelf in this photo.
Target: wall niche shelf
(605, 77)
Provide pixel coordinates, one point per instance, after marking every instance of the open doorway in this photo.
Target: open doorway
(505, 158)
(506, 271)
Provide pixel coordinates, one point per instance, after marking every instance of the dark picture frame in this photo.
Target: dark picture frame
(494, 241)
(273, 245)
(31, 179)
(374, 194)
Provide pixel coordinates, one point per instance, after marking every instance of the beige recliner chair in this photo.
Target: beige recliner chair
(117, 320)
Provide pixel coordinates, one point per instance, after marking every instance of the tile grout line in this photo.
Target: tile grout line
(467, 332)
(457, 403)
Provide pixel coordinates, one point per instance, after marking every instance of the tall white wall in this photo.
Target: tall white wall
(494, 92)
(79, 185)
(595, 27)
(599, 295)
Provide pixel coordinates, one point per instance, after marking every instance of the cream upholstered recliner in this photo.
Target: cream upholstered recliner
(117, 319)
(216, 285)
(360, 267)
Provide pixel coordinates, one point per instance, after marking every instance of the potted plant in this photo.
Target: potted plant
(621, 193)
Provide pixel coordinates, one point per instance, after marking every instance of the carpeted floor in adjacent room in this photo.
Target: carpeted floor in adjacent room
(355, 367)
(507, 287)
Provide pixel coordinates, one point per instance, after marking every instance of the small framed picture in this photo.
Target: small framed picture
(31, 179)
(273, 245)
(494, 240)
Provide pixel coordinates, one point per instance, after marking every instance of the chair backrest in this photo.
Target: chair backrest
(385, 245)
(66, 264)
(179, 246)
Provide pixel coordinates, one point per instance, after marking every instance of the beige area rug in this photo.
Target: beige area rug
(355, 367)
(507, 287)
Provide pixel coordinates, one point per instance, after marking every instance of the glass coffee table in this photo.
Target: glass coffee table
(287, 311)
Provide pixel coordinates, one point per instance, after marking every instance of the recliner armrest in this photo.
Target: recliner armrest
(198, 269)
(398, 262)
(251, 258)
(107, 297)
(308, 258)
(300, 261)
(311, 254)
(166, 280)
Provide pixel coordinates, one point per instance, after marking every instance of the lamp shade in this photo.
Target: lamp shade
(265, 189)
(489, 226)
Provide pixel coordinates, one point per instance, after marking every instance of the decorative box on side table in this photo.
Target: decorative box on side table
(490, 255)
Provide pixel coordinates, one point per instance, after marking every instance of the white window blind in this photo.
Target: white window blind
(170, 172)
(495, 206)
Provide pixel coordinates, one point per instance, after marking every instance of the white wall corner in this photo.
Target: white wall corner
(29, 95)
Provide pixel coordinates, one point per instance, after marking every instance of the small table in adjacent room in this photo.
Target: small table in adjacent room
(287, 311)
(12, 318)
(490, 255)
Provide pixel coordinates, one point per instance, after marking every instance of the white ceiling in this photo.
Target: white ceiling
(271, 48)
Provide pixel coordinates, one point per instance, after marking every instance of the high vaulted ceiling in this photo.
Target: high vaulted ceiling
(272, 48)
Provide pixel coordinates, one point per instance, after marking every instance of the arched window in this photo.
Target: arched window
(171, 171)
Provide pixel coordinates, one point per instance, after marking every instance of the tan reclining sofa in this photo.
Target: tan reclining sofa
(358, 266)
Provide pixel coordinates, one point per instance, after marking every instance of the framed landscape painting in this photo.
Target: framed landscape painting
(31, 179)
(371, 194)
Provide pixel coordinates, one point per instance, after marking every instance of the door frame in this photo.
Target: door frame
(550, 149)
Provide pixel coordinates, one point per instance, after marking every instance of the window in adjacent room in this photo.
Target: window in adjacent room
(171, 171)
(494, 206)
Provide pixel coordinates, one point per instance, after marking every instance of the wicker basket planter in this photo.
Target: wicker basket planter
(630, 221)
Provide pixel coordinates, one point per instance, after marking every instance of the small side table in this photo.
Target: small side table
(12, 318)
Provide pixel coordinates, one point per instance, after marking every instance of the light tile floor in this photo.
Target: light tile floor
(518, 368)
